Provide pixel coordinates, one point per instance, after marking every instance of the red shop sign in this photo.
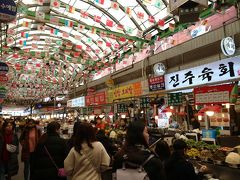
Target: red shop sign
(156, 83)
(213, 94)
(97, 99)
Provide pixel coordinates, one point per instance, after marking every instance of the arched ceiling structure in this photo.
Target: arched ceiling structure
(54, 44)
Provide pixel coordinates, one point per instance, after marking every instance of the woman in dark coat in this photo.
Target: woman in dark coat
(9, 149)
(42, 166)
(177, 167)
(137, 151)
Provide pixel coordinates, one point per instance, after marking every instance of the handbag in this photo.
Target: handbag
(61, 171)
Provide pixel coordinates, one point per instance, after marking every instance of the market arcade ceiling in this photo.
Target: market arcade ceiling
(54, 45)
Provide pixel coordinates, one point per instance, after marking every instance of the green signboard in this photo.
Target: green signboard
(174, 99)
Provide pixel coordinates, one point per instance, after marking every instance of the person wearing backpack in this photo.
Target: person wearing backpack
(135, 155)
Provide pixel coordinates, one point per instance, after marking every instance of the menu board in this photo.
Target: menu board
(122, 108)
(156, 83)
(219, 94)
(174, 99)
(145, 102)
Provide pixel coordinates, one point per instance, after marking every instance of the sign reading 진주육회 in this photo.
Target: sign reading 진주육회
(223, 70)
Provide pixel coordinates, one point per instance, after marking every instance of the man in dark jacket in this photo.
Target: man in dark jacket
(107, 143)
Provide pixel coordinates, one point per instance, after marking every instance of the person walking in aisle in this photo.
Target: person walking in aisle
(49, 155)
(9, 149)
(88, 157)
(29, 139)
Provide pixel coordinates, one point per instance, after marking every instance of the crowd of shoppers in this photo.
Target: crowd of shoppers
(89, 152)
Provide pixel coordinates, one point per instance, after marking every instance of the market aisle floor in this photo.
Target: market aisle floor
(21, 166)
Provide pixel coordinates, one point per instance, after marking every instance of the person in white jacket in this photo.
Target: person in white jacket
(88, 157)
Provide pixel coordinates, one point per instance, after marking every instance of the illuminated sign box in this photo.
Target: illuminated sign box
(77, 102)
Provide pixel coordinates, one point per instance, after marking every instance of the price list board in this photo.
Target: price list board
(122, 108)
(145, 102)
(174, 99)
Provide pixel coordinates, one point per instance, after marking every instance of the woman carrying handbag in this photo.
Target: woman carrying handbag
(50, 153)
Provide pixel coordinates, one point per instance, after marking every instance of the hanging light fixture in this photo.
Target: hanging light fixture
(209, 113)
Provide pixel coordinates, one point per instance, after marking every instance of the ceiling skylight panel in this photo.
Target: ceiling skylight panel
(126, 3)
(162, 14)
(118, 14)
(127, 22)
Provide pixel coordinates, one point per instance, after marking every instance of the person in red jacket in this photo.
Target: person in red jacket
(100, 124)
(29, 139)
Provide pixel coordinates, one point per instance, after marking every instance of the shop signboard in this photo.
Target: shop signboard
(213, 94)
(174, 99)
(219, 71)
(156, 83)
(78, 102)
(8, 10)
(127, 91)
(96, 99)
